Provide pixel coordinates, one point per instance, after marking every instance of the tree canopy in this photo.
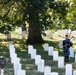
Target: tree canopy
(38, 14)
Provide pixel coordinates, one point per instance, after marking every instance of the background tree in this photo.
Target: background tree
(59, 12)
(71, 15)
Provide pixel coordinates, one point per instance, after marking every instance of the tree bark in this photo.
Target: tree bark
(34, 36)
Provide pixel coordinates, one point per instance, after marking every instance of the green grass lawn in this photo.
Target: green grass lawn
(28, 64)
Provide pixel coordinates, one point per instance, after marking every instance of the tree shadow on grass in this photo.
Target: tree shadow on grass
(4, 48)
(55, 44)
(44, 54)
(27, 62)
(18, 43)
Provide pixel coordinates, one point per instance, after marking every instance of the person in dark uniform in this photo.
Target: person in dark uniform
(66, 45)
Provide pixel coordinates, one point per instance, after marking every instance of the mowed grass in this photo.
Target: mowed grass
(28, 64)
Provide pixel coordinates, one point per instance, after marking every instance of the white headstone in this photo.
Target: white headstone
(11, 46)
(68, 69)
(54, 73)
(41, 66)
(21, 72)
(30, 48)
(9, 43)
(16, 60)
(12, 54)
(73, 33)
(12, 50)
(74, 72)
(60, 44)
(33, 54)
(2, 72)
(23, 34)
(61, 62)
(66, 31)
(71, 52)
(75, 58)
(19, 30)
(47, 70)
(37, 59)
(13, 58)
(46, 46)
(56, 0)
(17, 67)
(50, 51)
(55, 55)
(69, 31)
(68, 1)
(59, 32)
(63, 33)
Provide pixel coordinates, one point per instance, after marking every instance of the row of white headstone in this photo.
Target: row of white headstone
(51, 51)
(55, 55)
(15, 61)
(40, 62)
(62, 33)
(60, 60)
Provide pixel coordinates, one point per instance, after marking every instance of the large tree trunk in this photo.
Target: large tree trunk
(34, 36)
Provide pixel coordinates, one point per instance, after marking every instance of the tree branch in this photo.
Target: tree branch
(5, 15)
